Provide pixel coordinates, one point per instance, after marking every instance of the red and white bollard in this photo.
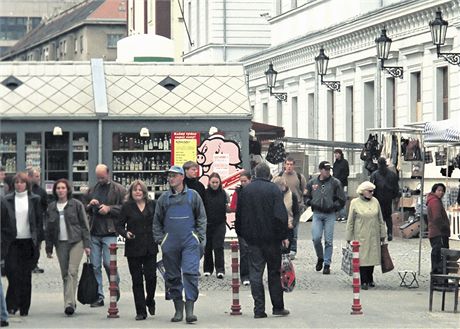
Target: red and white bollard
(113, 309)
(236, 307)
(356, 307)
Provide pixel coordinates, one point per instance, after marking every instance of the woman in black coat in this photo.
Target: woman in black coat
(22, 253)
(135, 225)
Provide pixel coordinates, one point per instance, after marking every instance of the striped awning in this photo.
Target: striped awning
(444, 131)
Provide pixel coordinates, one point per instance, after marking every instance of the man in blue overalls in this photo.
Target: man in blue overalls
(179, 227)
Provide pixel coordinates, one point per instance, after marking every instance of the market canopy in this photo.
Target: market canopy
(444, 131)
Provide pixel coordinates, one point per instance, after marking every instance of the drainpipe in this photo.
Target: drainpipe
(225, 30)
(99, 143)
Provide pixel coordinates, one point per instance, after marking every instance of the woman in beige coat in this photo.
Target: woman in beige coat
(365, 224)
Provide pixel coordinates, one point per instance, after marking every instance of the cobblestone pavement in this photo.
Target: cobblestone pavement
(318, 301)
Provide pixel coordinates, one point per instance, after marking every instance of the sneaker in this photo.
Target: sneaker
(98, 303)
(319, 264)
(207, 274)
(220, 275)
(327, 269)
(260, 315)
(292, 255)
(38, 270)
(4, 323)
(246, 283)
(283, 312)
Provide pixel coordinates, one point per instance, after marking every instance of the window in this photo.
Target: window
(445, 94)
(350, 112)
(294, 117)
(112, 40)
(163, 18)
(64, 47)
(390, 102)
(442, 94)
(331, 114)
(14, 28)
(311, 115)
(265, 113)
(75, 45)
(369, 108)
(279, 113)
(81, 44)
(416, 97)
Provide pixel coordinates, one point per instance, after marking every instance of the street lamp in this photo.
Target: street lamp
(321, 65)
(438, 28)
(383, 43)
(271, 74)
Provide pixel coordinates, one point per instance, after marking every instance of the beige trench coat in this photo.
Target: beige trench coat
(365, 224)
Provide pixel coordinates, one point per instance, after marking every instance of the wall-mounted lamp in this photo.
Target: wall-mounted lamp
(271, 74)
(438, 28)
(57, 131)
(383, 43)
(144, 132)
(321, 65)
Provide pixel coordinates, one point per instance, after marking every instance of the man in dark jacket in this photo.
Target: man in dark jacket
(191, 178)
(262, 220)
(34, 177)
(325, 196)
(341, 171)
(105, 201)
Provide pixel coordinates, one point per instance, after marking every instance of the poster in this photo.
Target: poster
(184, 147)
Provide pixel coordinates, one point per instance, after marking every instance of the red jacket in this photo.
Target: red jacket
(438, 222)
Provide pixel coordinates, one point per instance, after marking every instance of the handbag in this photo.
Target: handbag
(87, 285)
(428, 157)
(287, 273)
(347, 258)
(386, 262)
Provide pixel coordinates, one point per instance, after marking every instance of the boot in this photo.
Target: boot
(179, 306)
(189, 317)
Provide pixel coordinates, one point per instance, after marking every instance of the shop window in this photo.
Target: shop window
(144, 158)
(8, 152)
(56, 156)
(33, 150)
(80, 158)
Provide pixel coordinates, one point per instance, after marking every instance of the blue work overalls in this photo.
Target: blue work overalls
(181, 250)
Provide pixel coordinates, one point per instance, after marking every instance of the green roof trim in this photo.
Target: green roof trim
(153, 59)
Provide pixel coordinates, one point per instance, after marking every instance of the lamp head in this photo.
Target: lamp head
(321, 62)
(383, 43)
(271, 75)
(438, 28)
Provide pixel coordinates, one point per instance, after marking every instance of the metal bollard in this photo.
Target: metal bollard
(113, 309)
(356, 306)
(236, 307)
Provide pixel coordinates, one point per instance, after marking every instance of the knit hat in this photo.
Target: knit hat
(365, 186)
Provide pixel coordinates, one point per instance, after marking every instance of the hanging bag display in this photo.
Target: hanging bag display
(428, 157)
(347, 259)
(417, 169)
(441, 157)
(276, 153)
(87, 285)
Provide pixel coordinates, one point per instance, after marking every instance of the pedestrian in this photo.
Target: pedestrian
(135, 225)
(35, 179)
(245, 179)
(216, 205)
(191, 178)
(325, 196)
(67, 230)
(438, 226)
(341, 171)
(262, 220)
(22, 252)
(365, 224)
(179, 227)
(8, 234)
(292, 207)
(105, 200)
(386, 190)
(296, 183)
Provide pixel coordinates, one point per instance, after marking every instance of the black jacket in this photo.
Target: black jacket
(325, 196)
(35, 215)
(386, 185)
(341, 171)
(140, 224)
(76, 223)
(215, 203)
(261, 215)
(195, 184)
(8, 227)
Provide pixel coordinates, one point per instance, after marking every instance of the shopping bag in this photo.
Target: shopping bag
(387, 263)
(347, 259)
(87, 286)
(287, 273)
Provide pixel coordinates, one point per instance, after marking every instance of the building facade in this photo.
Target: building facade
(88, 30)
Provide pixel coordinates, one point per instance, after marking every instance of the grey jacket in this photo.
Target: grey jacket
(76, 223)
(168, 198)
(325, 196)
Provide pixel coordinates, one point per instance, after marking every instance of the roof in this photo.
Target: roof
(128, 90)
(90, 11)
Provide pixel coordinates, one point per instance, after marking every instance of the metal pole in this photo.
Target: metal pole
(378, 97)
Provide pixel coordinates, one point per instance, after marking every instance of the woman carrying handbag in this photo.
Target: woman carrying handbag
(365, 224)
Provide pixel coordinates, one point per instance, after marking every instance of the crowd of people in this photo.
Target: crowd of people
(188, 222)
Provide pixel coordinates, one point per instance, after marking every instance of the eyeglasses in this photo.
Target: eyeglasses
(370, 191)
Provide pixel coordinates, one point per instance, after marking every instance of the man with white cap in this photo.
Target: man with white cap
(179, 227)
(325, 196)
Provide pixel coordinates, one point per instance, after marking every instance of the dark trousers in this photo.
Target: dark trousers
(386, 207)
(19, 263)
(367, 274)
(215, 236)
(244, 259)
(143, 268)
(437, 243)
(268, 254)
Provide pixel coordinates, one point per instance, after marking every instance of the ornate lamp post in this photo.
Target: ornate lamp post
(383, 43)
(271, 75)
(438, 28)
(321, 65)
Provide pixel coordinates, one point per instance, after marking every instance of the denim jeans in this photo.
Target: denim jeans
(100, 255)
(4, 313)
(293, 239)
(323, 222)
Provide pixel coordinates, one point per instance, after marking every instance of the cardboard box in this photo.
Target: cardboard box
(407, 202)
